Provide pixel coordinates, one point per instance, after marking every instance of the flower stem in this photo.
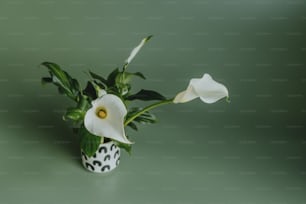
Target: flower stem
(152, 106)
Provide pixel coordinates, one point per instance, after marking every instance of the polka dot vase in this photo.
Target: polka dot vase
(104, 160)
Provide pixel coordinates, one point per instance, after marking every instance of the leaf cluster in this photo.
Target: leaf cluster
(118, 82)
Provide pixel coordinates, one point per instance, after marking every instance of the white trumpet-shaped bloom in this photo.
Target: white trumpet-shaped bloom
(106, 118)
(206, 88)
(136, 50)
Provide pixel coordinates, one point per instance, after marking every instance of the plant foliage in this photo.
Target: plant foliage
(118, 82)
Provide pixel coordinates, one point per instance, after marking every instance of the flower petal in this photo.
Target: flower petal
(136, 50)
(206, 88)
(101, 92)
(112, 126)
(185, 96)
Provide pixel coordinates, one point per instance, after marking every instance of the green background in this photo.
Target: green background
(249, 151)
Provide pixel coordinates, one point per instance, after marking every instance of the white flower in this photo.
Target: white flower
(101, 92)
(106, 118)
(206, 88)
(136, 50)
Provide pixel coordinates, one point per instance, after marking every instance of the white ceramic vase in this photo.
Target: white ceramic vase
(106, 158)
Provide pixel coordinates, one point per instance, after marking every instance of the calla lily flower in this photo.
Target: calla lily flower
(106, 118)
(101, 92)
(207, 89)
(136, 50)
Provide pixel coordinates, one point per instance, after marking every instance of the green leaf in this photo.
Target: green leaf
(61, 90)
(118, 82)
(75, 84)
(90, 90)
(65, 83)
(125, 77)
(58, 75)
(146, 95)
(74, 114)
(111, 79)
(122, 84)
(98, 77)
(139, 74)
(46, 80)
(129, 75)
(133, 126)
(126, 147)
(146, 118)
(89, 142)
(132, 111)
(83, 103)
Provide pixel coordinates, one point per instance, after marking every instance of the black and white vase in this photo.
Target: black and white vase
(106, 158)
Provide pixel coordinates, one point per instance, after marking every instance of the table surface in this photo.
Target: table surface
(251, 150)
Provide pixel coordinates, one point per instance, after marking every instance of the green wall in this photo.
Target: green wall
(249, 151)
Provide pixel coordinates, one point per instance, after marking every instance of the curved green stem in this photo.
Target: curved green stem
(152, 106)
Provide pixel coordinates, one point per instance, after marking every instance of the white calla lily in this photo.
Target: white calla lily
(136, 50)
(106, 118)
(206, 88)
(101, 92)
